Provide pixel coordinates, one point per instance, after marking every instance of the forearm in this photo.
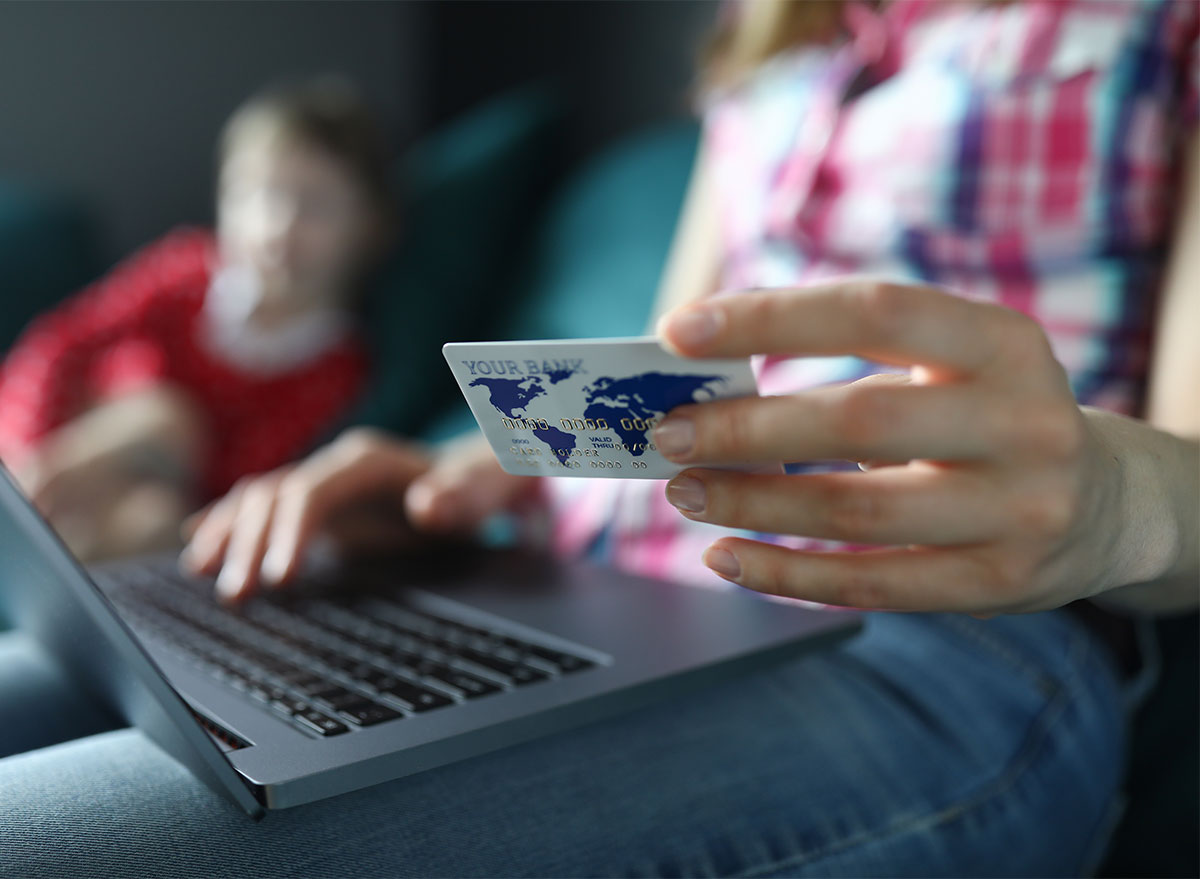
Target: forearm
(158, 429)
(1158, 457)
(692, 269)
(1156, 554)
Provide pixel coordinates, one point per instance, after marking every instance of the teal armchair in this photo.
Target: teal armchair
(47, 251)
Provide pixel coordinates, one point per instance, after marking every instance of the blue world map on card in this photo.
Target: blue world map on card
(625, 404)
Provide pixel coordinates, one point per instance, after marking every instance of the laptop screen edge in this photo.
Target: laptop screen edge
(49, 595)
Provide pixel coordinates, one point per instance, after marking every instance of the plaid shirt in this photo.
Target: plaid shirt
(1019, 153)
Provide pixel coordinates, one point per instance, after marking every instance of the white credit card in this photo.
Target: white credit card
(585, 407)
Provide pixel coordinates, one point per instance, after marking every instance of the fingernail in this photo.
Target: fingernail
(273, 567)
(687, 494)
(694, 327)
(675, 436)
(723, 562)
(229, 585)
(419, 498)
(195, 559)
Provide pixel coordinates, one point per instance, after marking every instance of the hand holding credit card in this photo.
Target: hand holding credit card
(585, 407)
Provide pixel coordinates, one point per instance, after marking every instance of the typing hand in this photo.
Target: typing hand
(365, 490)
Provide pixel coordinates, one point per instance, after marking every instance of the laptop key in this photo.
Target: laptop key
(338, 698)
(235, 678)
(289, 704)
(517, 673)
(295, 675)
(305, 682)
(471, 686)
(564, 662)
(568, 663)
(419, 698)
(302, 665)
(342, 663)
(270, 663)
(424, 667)
(314, 720)
(524, 674)
(258, 693)
(368, 714)
(500, 652)
(374, 677)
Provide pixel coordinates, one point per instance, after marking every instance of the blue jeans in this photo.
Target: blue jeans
(930, 745)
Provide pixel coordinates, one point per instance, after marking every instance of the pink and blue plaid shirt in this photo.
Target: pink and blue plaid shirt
(1019, 153)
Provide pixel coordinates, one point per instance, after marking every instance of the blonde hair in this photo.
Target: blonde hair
(751, 32)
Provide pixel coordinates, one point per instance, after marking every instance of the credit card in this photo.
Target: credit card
(585, 407)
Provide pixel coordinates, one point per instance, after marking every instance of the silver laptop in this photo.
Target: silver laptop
(380, 670)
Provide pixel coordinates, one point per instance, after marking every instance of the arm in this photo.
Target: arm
(155, 433)
(1012, 497)
(1162, 473)
(1060, 503)
(1072, 503)
(118, 479)
(452, 489)
(1175, 367)
(46, 373)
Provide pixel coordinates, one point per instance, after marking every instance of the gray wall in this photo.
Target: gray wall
(620, 64)
(121, 102)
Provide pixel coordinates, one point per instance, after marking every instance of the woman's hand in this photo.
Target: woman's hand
(1003, 495)
(365, 490)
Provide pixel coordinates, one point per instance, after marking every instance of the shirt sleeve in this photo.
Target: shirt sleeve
(47, 375)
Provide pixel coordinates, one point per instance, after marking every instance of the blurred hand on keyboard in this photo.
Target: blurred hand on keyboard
(365, 490)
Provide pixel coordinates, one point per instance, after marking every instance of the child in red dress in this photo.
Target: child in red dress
(207, 357)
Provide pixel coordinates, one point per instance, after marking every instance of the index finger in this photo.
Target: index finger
(897, 324)
(352, 468)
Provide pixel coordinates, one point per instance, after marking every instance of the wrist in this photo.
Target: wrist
(1153, 539)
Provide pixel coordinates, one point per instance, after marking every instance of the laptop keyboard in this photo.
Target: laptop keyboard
(335, 664)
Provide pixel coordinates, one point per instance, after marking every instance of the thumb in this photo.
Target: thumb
(462, 490)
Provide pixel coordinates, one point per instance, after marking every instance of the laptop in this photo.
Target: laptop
(368, 672)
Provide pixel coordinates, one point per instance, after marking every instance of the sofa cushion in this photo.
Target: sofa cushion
(470, 191)
(47, 251)
(595, 264)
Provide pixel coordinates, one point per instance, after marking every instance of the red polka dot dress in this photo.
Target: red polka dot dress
(164, 316)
